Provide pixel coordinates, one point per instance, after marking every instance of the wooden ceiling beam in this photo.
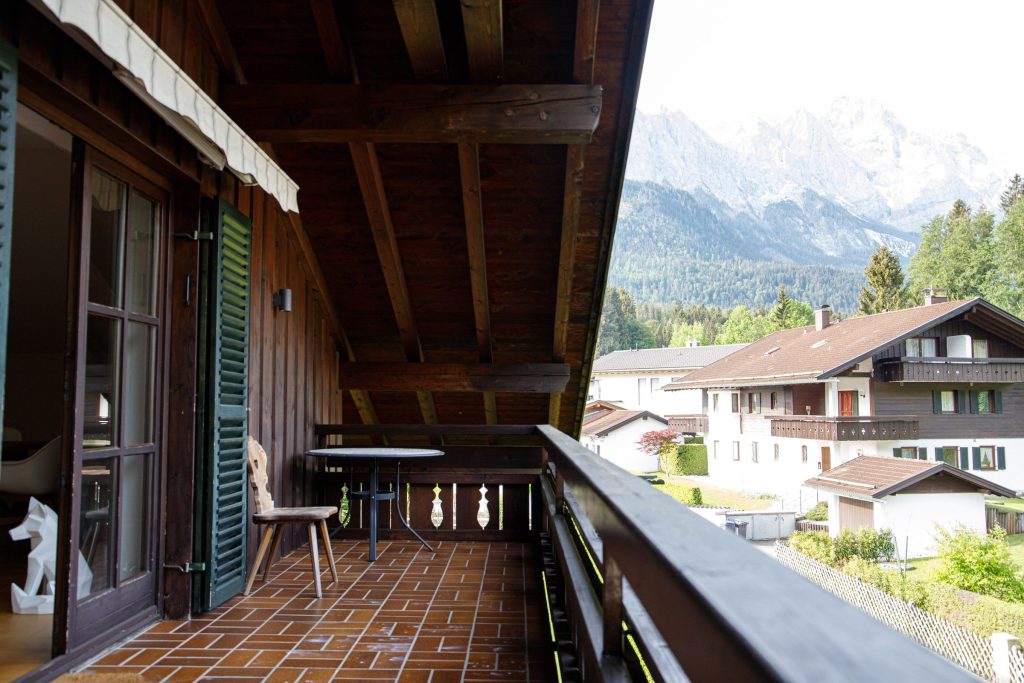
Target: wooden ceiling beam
(538, 378)
(339, 66)
(584, 52)
(421, 33)
(220, 41)
(482, 21)
(335, 113)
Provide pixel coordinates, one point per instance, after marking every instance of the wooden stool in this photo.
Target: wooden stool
(275, 518)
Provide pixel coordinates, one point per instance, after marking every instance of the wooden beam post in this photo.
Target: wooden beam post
(339, 66)
(483, 24)
(505, 377)
(422, 35)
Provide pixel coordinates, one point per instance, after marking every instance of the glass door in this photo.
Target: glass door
(117, 440)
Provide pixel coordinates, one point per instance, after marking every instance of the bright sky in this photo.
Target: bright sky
(942, 66)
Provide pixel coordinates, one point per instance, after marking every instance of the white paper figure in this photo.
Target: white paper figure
(40, 526)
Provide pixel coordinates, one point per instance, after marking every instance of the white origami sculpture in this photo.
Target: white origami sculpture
(40, 525)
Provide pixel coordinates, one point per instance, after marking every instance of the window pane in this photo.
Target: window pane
(141, 268)
(133, 536)
(929, 348)
(984, 401)
(949, 456)
(981, 348)
(139, 369)
(102, 366)
(105, 251)
(96, 520)
(948, 402)
(987, 458)
(913, 347)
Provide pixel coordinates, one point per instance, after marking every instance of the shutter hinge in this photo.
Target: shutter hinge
(195, 235)
(188, 567)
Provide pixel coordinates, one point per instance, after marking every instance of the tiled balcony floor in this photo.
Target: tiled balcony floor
(470, 612)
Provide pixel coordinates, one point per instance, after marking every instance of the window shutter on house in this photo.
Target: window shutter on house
(1001, 458)
(972, 397)
(964, 458)
(897, 453)
(938, 454)
(961, 401)
(976, 457)
(224, 390)
(997, 402)
(936, 402)
(8, 106)
(922, 453)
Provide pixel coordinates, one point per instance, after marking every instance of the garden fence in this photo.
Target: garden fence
(1011, 521)
(995, 659)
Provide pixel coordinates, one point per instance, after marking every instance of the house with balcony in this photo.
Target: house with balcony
(373, 223)
(941, 382)
(635, 378)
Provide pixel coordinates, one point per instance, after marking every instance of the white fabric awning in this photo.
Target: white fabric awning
(148, 71)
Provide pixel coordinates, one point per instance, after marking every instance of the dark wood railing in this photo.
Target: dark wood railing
(646, 579)
(691, 424)
(856, 428)
(996, 370)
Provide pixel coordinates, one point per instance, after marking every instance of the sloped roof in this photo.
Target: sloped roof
(876, 477)
(615, 419)
(683, 358)
(809, 354)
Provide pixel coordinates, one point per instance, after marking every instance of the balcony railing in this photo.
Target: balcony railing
(856, 428)
(995, 370)
(689, 424)
(644, 582)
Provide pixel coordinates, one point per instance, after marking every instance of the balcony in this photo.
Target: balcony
(947, 370)
(582, 574)
(689, 424)
(856, 428)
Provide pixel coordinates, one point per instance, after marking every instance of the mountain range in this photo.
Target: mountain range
(804, 201)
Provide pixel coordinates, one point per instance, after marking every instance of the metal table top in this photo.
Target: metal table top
(375, 452)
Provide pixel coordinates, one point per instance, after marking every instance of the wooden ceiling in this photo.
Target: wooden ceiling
(460, 164)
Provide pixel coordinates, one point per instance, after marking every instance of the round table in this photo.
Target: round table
(374, 455)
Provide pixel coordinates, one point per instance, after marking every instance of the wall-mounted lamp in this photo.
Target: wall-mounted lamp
(283, 300)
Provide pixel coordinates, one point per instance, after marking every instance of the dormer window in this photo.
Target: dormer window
(922, 347)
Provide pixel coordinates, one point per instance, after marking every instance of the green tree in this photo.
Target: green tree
(1008, 281)
(886, 289)
(1014, 191)
(783, 310)
(957, 253)
(620, 327)
(981, 564)
(683, 332)
(743, 326)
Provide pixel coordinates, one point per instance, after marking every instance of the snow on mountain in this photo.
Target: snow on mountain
(858, 155)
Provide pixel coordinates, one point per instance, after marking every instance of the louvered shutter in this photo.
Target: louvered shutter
(936, 402)
(8, 105)
(938, 454)
(976, 457)
(997, 402)
(897, 453)
(224, 376)
(1001, 457)
(922, 453)
(964, 458)
(962, 401)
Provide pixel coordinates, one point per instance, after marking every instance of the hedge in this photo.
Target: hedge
(690, 458)
(693, 439)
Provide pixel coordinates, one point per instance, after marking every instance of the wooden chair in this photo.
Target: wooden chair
(276, 518)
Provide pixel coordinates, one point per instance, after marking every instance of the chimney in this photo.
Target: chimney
(822, 317)
(934, 296)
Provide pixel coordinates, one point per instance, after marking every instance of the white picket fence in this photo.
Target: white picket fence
(998, 659)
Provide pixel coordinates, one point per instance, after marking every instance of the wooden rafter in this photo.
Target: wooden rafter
(421, 33)
(482, 21)
(371, 185)
(335, 113)
(333, 45)
(584, 52)
(223, 49)
(510, 377)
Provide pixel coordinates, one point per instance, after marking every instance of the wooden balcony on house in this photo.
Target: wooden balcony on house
(579, 573)
(947, 370)
(856, 428)
(688, 424)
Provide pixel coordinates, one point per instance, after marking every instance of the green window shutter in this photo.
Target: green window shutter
(936, 402)
(922, 453)
(8, 107)
(972, 401)
(897, 453)
(1000, 458)
(938, 454)
(224, 388)
(961, 401)
(976, 457)
(964, 458)
(997, 402)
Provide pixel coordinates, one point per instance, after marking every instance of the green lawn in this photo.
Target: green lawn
(926, 566)
(1015, 504)
(679, 488)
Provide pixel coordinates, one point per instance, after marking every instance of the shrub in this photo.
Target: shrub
(981, 564)
(693, 439)
(696, 497)
(689, 459)
(818, 513)
(894, 583)
(814, 544)
(866, 544)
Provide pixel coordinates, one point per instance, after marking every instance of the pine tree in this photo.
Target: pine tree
(782, 313)
(1014, 191)
(886, 289)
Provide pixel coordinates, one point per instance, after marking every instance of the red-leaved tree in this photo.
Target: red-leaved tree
(656, 442)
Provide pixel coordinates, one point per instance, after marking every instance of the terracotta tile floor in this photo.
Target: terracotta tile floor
(470, 612)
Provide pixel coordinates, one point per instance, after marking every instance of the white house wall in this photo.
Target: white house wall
(915, 517)
(620, 446)
(633, 392)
